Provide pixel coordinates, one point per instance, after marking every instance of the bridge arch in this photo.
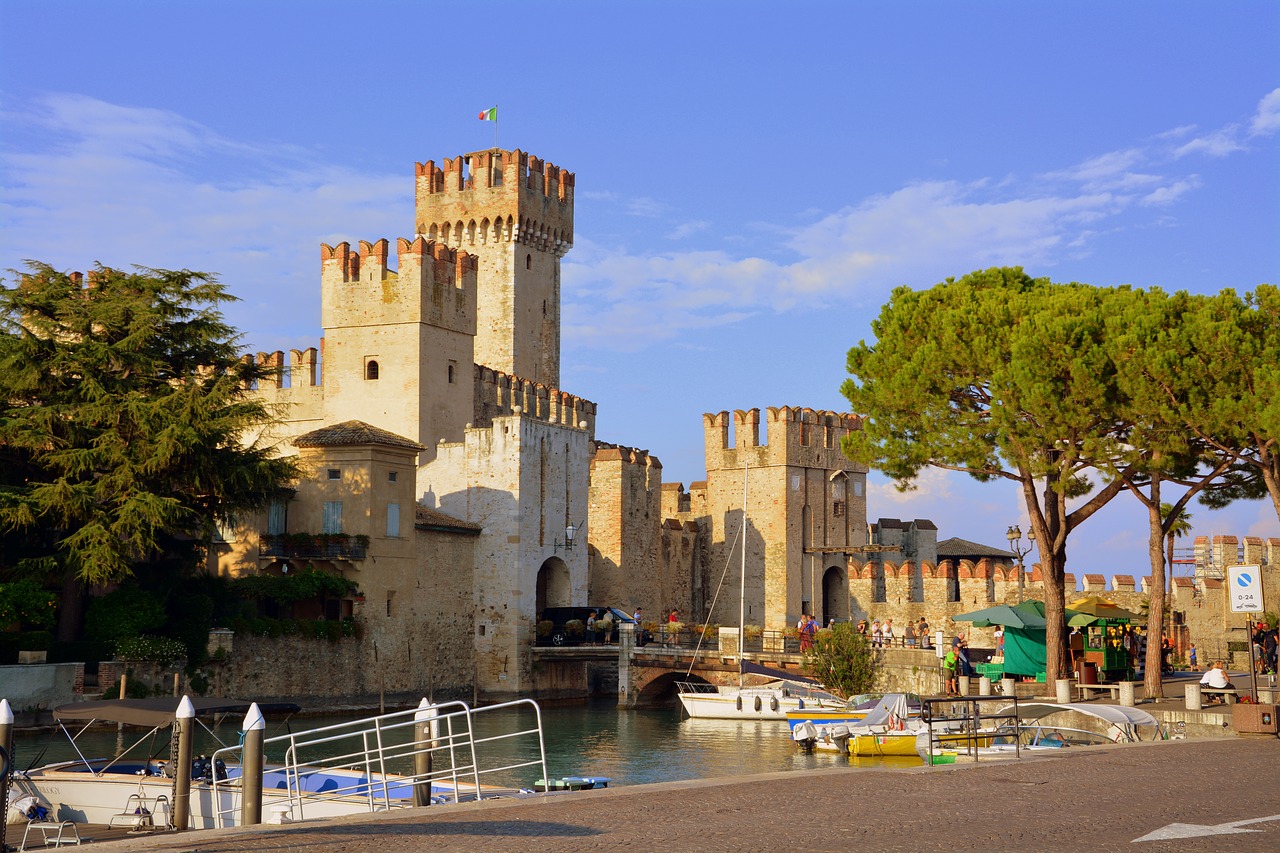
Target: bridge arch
(662, 690)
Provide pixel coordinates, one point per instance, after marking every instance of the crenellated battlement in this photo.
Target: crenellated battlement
(606, 452)
(495, 197)
(301, 371)
(498, 394)
(432, 284)
(794, 436)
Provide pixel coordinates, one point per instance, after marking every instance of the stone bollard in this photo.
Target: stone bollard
(1064, 690)
(1193, 697)
(964, 685)
(984, 686)
(1008, 686)
(1127, 697)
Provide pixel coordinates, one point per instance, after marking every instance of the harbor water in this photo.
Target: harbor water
(629, 747)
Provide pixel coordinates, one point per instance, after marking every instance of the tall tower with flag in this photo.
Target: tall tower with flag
(515, 212)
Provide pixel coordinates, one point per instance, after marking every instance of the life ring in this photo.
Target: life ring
(759, 704)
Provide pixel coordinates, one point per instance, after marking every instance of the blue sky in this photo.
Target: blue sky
(752, 178)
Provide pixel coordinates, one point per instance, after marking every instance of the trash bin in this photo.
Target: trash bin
(1089, 672)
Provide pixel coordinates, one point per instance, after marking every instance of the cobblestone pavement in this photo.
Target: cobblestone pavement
(1076, 800)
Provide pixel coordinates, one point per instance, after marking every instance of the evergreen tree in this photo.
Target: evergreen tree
(126, 428)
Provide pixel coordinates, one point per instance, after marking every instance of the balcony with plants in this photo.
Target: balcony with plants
(314, 546)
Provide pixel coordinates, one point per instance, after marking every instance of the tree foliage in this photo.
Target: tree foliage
(126, 428)
(842, 660)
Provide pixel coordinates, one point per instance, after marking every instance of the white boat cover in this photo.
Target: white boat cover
(892, 707)
(1120, 715)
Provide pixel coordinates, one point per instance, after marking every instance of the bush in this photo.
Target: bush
(545, 627)
(25, 603)
(841, 659)
(575, 628)
(127, 613)
(163, 650)
(299, 586)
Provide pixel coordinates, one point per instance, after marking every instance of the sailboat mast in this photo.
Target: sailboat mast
(742, 580)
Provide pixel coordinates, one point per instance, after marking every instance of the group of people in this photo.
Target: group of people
(599, 628)
(807, 628)
(881, 634)
(1265, 638)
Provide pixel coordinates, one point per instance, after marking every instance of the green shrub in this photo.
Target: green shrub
(25, 603)
(125, 613)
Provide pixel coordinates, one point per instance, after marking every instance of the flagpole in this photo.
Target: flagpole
(495, 127)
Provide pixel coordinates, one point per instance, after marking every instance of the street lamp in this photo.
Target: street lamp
(569, 533)
(1014, 535)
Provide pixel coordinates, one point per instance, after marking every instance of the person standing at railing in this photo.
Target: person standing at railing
(887, 631)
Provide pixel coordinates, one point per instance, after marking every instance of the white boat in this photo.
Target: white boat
(357, 773)
(887, 725)
(771, 700)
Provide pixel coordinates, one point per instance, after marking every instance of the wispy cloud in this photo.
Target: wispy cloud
(127, 185)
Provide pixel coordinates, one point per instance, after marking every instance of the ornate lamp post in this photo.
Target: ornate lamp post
(1015, 544)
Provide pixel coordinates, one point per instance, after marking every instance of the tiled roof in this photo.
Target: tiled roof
(353, 432)
(956, 547)
(433, 519)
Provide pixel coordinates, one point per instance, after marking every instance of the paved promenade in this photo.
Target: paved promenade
(1218, 795)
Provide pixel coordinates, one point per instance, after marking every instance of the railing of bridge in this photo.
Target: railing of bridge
(765, 642)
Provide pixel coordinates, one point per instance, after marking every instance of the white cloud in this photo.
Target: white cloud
(1267, 119)
(1217, 144)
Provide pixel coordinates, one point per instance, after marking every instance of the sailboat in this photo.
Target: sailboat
(770, 700)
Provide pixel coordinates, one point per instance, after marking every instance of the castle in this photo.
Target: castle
(430, 425)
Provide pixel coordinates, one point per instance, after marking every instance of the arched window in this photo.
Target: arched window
(371, 370)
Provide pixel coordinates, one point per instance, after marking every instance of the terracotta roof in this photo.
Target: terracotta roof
(426, 518)
(1184, 582)
(353, 432)
(956, 547)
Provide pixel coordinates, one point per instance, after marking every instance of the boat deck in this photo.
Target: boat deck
(87, 833)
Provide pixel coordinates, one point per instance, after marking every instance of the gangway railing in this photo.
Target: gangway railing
(368, 764)
(966, 721)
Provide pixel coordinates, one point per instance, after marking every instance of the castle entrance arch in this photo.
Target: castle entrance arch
(554, 588)
(835, 595)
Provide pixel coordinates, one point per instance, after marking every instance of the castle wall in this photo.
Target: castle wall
(498, 393)
(523, 481)
(637, 558)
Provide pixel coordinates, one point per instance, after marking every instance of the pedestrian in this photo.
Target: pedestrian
(922, 631)
(605, 626)
(591, 629)
(876, 636)
(950, 663)
(808, 628)
(999, 637)
(638, 617)
(862, 627)
(909, 636)
(1191, 656)
(886, 631)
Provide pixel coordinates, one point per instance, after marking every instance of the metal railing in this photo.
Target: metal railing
(964, 723)
(361, 765)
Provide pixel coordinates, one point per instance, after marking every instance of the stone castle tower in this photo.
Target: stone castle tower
(515, 213)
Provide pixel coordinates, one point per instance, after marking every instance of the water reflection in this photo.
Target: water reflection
(630, 747)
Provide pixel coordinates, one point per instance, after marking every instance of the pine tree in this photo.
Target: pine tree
(126, 424)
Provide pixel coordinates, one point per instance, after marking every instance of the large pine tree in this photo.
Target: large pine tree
(126, 426)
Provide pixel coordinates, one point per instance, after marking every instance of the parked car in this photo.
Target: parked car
(559, 617)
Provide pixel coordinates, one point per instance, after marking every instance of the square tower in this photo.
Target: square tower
(515, 212)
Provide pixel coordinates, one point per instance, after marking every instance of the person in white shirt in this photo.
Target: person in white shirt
(1217, 677)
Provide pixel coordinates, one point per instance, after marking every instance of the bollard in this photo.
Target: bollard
(6, 760)
(184, 723)
(1064, 690)
(984, 686)
(426, 729)
(251, 773)
(1127, 697)
(1008, 686)
(1193, 697)
(964, 685)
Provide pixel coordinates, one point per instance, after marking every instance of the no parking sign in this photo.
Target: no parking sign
(1244, 584)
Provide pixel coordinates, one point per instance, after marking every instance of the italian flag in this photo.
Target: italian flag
(489, 115)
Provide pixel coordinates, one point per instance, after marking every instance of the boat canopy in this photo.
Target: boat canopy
(1120, 715)
(751, 668)
(160, 711)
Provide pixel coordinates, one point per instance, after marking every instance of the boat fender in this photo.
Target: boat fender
(773, 703)
(759, 704)
(739, 703)
(801, 704)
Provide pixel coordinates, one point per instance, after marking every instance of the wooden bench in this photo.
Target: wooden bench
(1087, 690)
(1227, 694)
